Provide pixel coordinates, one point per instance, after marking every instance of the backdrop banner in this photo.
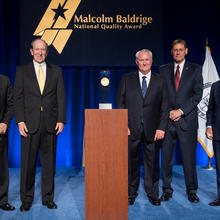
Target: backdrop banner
(83, 32)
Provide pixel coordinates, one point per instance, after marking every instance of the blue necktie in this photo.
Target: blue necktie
(144, 86)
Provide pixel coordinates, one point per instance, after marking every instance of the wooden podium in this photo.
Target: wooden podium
(106, 164)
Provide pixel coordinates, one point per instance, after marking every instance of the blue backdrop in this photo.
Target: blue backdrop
(193, 21)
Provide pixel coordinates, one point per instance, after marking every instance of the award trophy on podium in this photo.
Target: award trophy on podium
(104, 88)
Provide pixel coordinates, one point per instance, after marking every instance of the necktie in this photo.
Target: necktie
(177, 77)
(144, 86)
(41, 79)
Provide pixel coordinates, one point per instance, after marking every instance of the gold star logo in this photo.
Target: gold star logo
(53, 26)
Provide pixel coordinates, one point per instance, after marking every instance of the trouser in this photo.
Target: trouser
(4, 174)
(187, 141)
(45, 143)
(151, 166)
(216, 147)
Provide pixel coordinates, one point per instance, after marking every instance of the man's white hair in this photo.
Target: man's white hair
(143, 50)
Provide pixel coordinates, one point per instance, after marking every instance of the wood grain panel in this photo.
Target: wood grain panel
(106, 164)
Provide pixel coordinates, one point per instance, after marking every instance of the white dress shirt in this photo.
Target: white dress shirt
(181, 65)
(36, 67)
(148, 76)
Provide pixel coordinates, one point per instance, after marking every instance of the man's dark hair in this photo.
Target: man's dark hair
(32, 42)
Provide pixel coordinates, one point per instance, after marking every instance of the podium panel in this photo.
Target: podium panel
(106, 164)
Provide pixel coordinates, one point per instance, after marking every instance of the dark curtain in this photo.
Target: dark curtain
(82, 92)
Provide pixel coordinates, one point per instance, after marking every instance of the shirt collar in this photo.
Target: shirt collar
(36, 64)
(148, 75)
(181, 65)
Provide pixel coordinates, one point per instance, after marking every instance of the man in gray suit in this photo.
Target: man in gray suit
(6, 113)
(40, 112)
(144, 94)
(185, 86)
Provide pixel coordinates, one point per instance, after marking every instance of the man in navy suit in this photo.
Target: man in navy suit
(185, 87)
(6, 112)
(144, 94)
(213, 131)
(40, 112)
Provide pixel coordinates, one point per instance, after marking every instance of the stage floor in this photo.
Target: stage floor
(70, 198)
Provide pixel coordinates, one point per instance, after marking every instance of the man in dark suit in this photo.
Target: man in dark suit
(213, 131)
(6, 113)
(40, 111)
(144, 94)
(185, 86)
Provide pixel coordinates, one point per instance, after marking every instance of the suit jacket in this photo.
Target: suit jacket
(213, 113)
(188, 95)
(150, 110)
(29, 103)
(6, 100)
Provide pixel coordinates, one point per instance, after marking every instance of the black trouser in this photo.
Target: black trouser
(187, 140)
(216, 147)
(46, 143)
(4, 174)
(151, 166)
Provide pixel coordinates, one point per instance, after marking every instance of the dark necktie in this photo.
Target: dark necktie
(177, 77)
(144, 86)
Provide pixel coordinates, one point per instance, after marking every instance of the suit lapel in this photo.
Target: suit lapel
(171, 77)
(33, 77)
(184, 75)
(137, 84)
(48, 77)
(150, 86)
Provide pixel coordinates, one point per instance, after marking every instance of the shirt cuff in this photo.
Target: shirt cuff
(181, 111)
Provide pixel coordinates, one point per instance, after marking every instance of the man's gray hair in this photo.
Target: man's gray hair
(143, 50)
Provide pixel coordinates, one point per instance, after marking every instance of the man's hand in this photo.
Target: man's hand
(176, 119)
(22, 129)
(209, 133)
(3, 128)
(129, 132)
(159, 135)
(175, 115)
(59, 127)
